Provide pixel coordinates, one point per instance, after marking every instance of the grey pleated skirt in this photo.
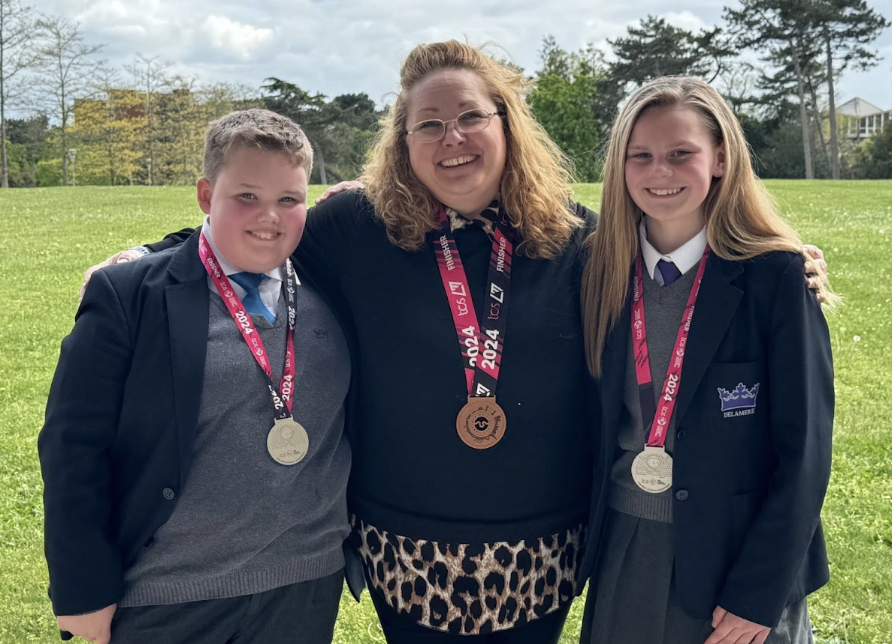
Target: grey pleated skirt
(632, 597)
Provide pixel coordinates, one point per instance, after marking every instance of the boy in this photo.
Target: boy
(195, 486)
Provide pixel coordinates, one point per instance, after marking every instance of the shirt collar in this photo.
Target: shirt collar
(229, 269)
(685, 257)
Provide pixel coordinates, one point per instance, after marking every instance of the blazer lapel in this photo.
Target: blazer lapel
(187, 313)
(715, 307)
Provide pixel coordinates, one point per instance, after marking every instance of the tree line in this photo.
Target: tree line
(777, 62)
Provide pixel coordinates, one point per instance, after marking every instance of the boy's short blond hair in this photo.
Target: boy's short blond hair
(258, 129)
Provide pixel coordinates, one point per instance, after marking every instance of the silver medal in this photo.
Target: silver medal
(287, 441)
(652, 470)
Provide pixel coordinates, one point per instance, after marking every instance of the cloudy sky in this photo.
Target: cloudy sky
(351, 46)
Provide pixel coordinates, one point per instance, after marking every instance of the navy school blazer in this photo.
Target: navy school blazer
(748, 483)
(120, 419)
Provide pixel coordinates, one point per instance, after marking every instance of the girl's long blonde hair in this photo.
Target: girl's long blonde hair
(742, 220)
(536, 187)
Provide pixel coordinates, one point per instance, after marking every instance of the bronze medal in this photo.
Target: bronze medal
(652, 470)
(287, 441)
(480, 423)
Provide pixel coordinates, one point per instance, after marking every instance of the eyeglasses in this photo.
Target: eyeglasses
(468, 122)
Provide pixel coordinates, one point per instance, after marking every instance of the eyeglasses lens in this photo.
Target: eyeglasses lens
(466, 122)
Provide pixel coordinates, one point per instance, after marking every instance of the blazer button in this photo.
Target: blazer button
(168, 494)
(681, 495)
(681, 435)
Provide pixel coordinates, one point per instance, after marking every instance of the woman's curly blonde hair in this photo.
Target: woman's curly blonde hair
(536, 187)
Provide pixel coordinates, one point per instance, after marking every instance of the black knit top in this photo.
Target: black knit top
(411, 472)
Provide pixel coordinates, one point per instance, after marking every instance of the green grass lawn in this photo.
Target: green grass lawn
(48, 237)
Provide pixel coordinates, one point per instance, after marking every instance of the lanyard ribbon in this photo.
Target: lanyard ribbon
(481, 342)
(661, 412)
(281, 396)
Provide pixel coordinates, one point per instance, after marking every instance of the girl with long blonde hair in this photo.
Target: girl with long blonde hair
(716, 388)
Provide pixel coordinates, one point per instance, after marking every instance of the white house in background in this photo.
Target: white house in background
(863, 120)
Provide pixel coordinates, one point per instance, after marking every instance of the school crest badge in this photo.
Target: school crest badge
(740, 401)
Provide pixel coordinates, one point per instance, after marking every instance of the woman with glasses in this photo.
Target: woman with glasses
(470, 431)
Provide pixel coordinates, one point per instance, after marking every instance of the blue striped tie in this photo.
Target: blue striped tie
(253, 304)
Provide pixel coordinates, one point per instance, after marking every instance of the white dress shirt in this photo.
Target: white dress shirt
(270, 289)
(686, 257)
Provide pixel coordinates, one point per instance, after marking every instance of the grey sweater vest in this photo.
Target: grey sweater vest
(663, 308)
(244, 524)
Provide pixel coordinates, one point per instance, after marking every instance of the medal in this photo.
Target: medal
(652, 470)
(480, 423)
(287, 441)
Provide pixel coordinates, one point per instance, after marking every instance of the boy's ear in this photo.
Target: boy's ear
(719, 169)
(204, 192)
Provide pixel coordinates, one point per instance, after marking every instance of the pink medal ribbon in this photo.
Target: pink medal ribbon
(281, 397)
(666, 403)
(481, 343)
(481, 423)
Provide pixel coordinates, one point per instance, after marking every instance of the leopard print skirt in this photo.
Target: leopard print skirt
(471, 589)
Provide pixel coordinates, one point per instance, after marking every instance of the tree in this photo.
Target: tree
(556, 61)
(321, 120)
(357, 110)
(563, 101)
(798, 76)
(737, 82)
(782, 29)
(31, 134)
(845, 28)
(307, 110)
(350, 135)
(21, 173)
(152, 79)
(67, 70)
(182, 121)
(221, 98)
(17, 54)
(873, 158)
(774, 136)
(656, 48)
(108, 126)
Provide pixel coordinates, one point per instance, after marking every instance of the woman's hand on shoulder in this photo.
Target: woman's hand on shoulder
(343, 186)
(731, 629)
(815, 270)
(129, 255)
